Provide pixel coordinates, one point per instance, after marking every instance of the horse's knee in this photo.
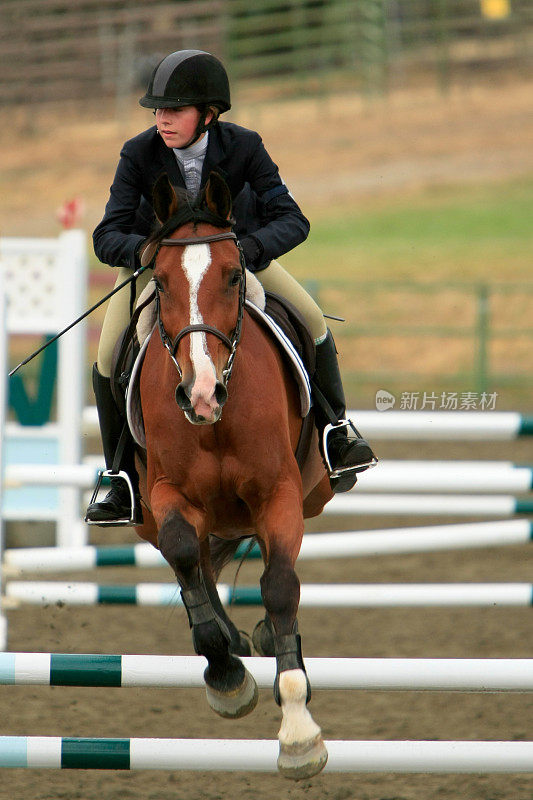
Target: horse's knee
(280, 590)
(178, 543)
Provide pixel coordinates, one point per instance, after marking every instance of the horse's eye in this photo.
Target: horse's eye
(235, 278)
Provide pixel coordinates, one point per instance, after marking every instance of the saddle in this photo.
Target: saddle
(275, 314)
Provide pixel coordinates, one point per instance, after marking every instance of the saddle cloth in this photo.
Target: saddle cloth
(258, 306)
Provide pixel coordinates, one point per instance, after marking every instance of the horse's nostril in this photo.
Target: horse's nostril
(182, 398)
(221, 393)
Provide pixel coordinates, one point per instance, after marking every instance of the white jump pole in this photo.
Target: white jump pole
(82, 476)
(317, 545)
(388, 476)
(383, 480)
(398, 674)
(418, 425)
(442, 425)
(252, 755)
(428, 505)
(311, 595)
(416, 539)
(463, 477)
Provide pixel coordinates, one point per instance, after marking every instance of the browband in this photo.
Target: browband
(214, 237)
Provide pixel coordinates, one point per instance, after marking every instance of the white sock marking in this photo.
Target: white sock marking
(297, 725)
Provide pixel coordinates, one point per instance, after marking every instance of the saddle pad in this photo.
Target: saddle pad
(298, 369)
(133, 397)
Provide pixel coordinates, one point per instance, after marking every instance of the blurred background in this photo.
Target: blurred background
(403, 128)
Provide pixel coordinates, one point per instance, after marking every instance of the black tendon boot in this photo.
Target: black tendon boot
(345, 451)
(116, 507)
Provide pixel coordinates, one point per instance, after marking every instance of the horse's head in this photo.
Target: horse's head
(199, 277)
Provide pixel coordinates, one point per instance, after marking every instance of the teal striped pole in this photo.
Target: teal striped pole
(254, 755)
(340, 544)
(365, 595)
(525, 427)
(419, 674)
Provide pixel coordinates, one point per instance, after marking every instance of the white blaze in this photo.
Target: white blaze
(195, 262)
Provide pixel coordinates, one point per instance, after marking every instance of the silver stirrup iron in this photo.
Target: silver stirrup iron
(336, 473)
(108, 473)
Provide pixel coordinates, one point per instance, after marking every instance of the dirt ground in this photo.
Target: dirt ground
(437, 632)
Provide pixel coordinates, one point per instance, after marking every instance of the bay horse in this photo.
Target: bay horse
(222, 464)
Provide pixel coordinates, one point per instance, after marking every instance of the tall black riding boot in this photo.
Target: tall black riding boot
(116, 507)
(344, 455)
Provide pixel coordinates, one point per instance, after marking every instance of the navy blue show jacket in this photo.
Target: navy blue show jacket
(268, 220)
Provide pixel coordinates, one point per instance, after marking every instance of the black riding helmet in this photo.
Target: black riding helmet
(189, 78)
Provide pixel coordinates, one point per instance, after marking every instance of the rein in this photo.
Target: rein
(171, 345)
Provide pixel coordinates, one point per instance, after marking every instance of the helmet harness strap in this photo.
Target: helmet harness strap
(201, 127)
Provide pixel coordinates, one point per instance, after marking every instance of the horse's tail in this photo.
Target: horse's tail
(222, 551)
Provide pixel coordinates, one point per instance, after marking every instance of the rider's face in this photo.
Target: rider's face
(177, 126)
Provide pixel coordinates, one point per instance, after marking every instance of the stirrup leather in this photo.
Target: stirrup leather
(124, 521)
(338, 471)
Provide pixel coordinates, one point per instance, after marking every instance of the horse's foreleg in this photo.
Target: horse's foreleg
(231, 690)
(238, 644)
(302, 750)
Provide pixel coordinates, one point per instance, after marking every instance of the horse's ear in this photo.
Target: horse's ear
(217, 196)
(165, 200)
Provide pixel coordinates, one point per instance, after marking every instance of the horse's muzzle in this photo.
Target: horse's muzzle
(209, 412)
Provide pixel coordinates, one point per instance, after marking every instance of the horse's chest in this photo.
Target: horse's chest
(213, 487)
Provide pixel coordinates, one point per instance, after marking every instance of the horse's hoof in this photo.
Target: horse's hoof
(302, 760)
(237, 703)
(263, 640)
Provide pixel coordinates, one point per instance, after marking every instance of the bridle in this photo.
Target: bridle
(171, 345)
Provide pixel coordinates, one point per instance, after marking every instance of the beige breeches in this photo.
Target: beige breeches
(274, 279)
(117, 317)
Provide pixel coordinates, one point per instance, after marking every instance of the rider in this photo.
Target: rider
(188, 91)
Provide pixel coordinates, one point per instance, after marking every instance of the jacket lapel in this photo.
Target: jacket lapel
(214, 156)
(171, 165)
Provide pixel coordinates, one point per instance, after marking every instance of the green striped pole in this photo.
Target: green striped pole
(340, 544)
(419, 674)
(365, 595)
(525, 427)
(253, 755)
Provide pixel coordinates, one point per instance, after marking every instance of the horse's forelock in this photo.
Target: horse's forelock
(188, 213)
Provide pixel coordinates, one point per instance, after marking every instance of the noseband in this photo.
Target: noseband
(171, 345)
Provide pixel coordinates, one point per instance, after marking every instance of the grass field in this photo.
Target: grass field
(459, 233)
